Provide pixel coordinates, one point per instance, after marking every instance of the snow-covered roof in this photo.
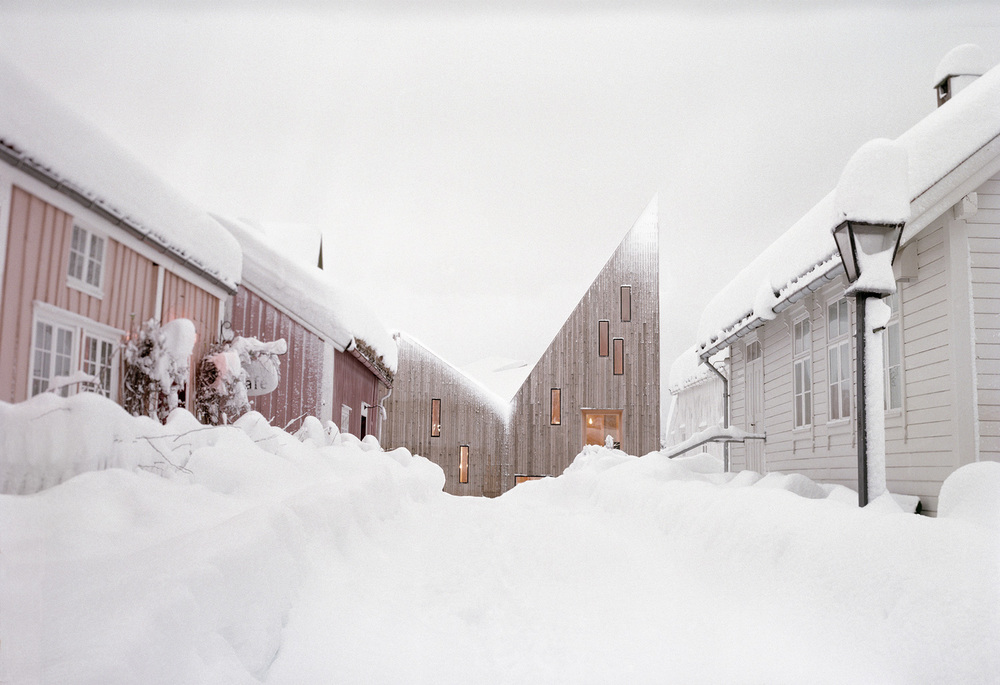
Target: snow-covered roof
(45, 139)
(688, 370)
(309, 293)
(502, 375)
(938, 145)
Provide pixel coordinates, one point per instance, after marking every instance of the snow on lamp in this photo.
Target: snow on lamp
(872, 203)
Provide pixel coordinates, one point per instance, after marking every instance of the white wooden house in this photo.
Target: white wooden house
(790, 330)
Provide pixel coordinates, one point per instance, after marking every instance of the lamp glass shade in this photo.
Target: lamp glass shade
(856, 239)
(842, 236)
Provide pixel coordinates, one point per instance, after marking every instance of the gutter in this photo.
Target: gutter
(24, 163)
(725, 409)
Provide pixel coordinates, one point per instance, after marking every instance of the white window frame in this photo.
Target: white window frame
(895, 322)
(837, 341)
(802, 359)
(82, 328)
(80, 282)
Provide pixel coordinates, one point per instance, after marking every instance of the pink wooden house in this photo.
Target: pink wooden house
(340, 360)
(91, 245)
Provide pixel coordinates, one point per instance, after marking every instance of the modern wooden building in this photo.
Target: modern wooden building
(91, 246)
(792, 371)
(440, 413)
(340, 359)
(599, 378)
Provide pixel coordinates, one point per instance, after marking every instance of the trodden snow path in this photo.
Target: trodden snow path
(316, 559)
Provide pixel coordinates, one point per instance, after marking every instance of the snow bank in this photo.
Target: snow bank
(309, 293)
(935, 147)
(972, 494)
(36, 129)
(268, 557)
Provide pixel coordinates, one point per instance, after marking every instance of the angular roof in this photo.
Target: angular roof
(46, 140)
(308, 293)
(956, 142)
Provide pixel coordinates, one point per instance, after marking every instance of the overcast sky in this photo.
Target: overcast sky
(472, 167)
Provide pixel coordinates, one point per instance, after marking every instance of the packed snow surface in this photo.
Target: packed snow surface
(241, 554)
(43, 132)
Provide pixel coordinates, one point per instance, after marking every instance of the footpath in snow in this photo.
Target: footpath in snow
(134, 552)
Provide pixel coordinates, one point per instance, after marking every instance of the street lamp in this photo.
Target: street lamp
(873, 203)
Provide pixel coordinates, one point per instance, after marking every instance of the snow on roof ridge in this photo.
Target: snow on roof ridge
(52, 143)
(309, 293)
(501, 403)
(936, 146)
(688, 369)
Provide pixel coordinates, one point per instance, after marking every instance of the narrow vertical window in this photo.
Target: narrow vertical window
(603, 338)
(52, 356)
(626, 303)
(801, 375)
(619, 362)
(97, 355)
(555, 408)
(435, 418)
(892, 345)
(463, 464)
(839, 359)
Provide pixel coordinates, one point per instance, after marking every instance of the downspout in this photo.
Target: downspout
(725, 410)
(382, 414)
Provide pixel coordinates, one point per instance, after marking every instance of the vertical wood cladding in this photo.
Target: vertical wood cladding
(469, 416)
(36, 268)
(298, 392)
(574, 363)
(355, 386)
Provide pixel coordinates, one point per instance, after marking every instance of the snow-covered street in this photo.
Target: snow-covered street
(318, 558)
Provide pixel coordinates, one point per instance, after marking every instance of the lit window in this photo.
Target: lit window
(463, 464)
(626, 303)
(801, 375)
(892, 345)
(435, 418)
(619, 350)
(86, 258)
(839, 359)
(603, 338)
(555, 410)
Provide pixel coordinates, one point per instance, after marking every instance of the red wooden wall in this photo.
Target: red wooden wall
(299, 389)
(354, 384)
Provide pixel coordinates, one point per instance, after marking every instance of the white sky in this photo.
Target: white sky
(472, 169)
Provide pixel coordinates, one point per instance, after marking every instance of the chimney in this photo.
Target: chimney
(959, 68)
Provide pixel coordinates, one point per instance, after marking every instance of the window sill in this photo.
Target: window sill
(840, 423)
(84, 288)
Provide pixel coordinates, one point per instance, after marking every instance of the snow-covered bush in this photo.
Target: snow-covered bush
(223, 379)
(156, 367)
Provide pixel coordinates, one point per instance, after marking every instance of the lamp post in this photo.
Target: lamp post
(873, 203)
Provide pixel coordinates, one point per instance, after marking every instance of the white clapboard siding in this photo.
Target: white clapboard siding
(984, 254)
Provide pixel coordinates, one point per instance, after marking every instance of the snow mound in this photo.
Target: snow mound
(963, 60)
(972, 493)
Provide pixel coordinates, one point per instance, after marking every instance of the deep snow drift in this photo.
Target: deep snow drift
(242, 554)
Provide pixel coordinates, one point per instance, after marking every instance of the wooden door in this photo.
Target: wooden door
(754, 449)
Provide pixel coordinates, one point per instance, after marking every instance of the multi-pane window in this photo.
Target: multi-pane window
(626, 303)
(97, 356)
(603, 338)
(435, 418)
(52, 355)
(555, 408)
(619, 353)
(892, 346)
(463, 464)
(86, 257)
(801, 375)
(839, 359)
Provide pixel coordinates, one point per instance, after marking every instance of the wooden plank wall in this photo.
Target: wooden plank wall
(355, 384)
(470, 416)
(919, 438)
(984, 248)
(37, 262)
(299, 391)
(586, 380)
